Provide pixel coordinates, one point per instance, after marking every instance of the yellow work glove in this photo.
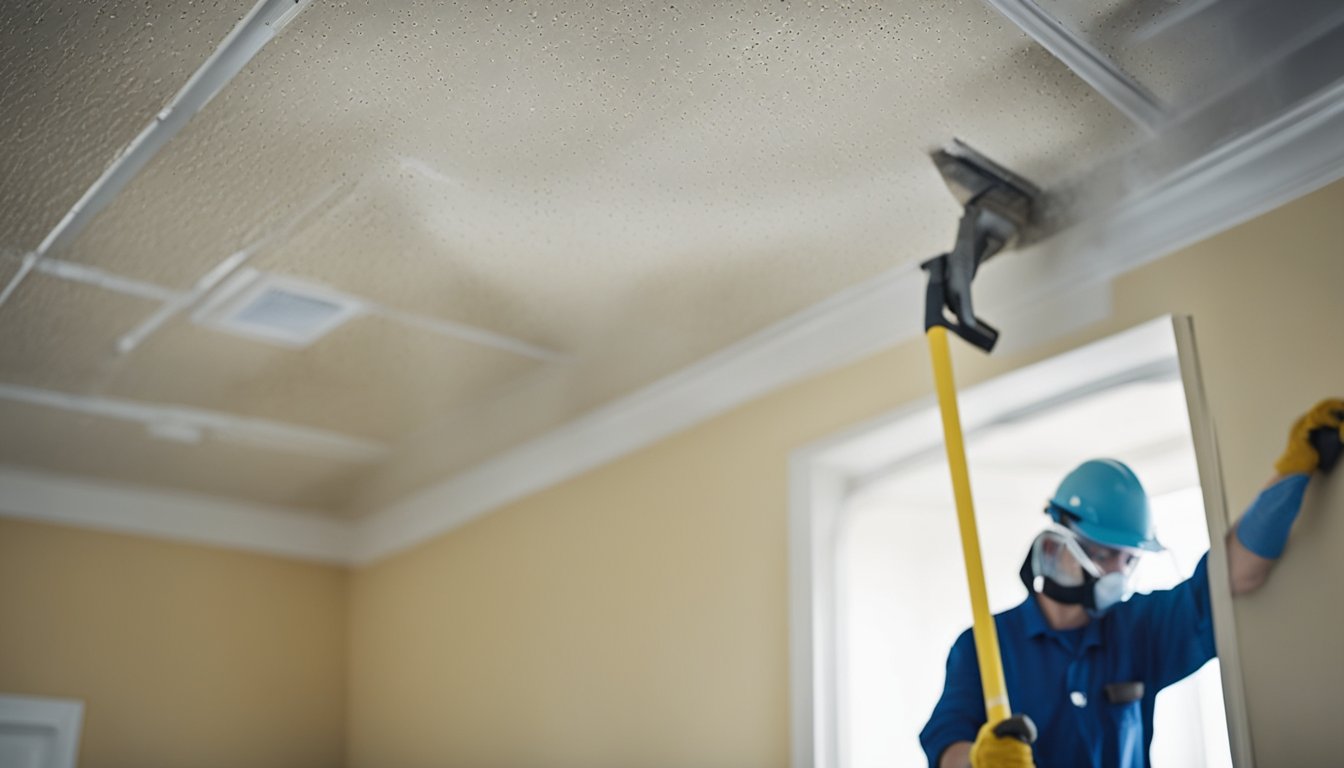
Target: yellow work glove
(1301, 456)
(1004, 751)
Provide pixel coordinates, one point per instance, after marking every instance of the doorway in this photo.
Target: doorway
(901, 595)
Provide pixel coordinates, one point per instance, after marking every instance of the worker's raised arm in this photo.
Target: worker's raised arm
(1246, 571)
(1258, 538)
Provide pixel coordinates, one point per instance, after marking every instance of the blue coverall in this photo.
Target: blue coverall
(1060, 677)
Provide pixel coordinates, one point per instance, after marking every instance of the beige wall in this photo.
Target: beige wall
(183, 655)
(637, 615)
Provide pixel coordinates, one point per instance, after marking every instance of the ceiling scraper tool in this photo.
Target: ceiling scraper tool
(999, 210)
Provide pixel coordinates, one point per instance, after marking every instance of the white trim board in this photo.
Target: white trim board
(49, 498)
(1295, 154)
(1215, 511)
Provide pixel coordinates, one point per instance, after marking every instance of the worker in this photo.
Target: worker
(1083, 661)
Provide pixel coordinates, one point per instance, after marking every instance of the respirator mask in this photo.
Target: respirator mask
(1070, 568)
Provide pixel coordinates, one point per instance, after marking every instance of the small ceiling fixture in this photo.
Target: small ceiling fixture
(280, 310)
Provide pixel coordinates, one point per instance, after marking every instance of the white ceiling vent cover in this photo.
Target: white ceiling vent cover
(280, 310)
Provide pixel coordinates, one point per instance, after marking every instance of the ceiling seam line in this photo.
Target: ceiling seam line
(207, 282)
(262, 433)
(1089, 64)
(75, 272)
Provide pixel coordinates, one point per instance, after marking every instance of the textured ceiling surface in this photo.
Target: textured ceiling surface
(79, 82)
(631, 187)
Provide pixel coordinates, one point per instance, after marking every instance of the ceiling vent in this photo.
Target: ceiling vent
(280, 310)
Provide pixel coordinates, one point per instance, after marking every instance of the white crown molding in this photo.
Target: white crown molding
(64, 500)
(1289, 157)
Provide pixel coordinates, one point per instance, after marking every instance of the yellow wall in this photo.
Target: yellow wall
(183, 655)
(637, 615)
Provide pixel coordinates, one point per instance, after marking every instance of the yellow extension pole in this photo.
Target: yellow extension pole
(986, 636)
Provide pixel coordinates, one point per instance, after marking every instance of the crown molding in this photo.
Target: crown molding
(65, 500)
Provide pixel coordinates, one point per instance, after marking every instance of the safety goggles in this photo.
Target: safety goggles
(1064, 555)
(1109, 559)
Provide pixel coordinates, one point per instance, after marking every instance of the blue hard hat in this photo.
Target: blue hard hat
(1103, 500)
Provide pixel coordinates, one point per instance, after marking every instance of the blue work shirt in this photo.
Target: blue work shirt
(1060, 678)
